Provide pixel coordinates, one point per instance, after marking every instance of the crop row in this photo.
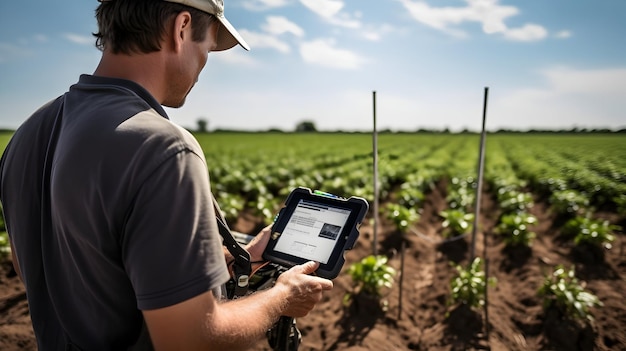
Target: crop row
(255, 172)
(248, 167)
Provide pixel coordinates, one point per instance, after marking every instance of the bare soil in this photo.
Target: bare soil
(418, 316)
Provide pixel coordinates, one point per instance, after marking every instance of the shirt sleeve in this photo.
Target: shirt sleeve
(172, 250)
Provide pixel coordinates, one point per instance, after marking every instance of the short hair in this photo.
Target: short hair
(138, 26)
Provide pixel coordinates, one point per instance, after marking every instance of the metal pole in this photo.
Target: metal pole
(375, 155)
(402, 252)
(481, 164)
(486, 300)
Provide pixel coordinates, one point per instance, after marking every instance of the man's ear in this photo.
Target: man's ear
(181, 30)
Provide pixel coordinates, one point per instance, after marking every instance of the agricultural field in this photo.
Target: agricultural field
(551, 273)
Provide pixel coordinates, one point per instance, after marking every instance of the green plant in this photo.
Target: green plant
(514, 201)
(515, 229)
(5, 245)
(461, 193)
(230, 205)
(562, 291)
(371, 275)
(402, 216)
(410, 196)
(586, 230)
(620, 201)
(470, 285)
(569, 202)
(456, 221)
(267, 207)
(2, 225)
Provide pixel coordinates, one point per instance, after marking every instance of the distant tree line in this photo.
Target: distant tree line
(427, 131)
(308, 126)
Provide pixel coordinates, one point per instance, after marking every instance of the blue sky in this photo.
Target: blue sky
(548, 64)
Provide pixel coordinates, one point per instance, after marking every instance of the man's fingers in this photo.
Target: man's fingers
(326, 284)
(306, 289)
(310, 267)
(307, 268)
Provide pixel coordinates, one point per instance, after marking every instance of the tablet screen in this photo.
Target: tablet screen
(312, 231)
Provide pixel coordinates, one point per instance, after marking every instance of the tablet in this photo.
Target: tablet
(315, 226)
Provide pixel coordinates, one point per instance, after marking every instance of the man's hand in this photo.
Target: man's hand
(303, 290)
(201, 323)
(257, 245)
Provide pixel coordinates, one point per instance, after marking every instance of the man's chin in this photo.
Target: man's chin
(174, 104)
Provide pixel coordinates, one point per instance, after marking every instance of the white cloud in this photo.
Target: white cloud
(37, 38)
(604, 82)
(261, 5)
(345, 20)
(322, 52)
(278, 25)
(372, 35)
(586, 98)
(261, 40)
(489, 13)
(324, 8)
(235, 57)
(564, 34)
(529, 32)
(79, 39)
(376, 33)
(330, 10)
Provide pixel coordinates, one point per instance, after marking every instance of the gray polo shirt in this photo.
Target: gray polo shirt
(126, 223)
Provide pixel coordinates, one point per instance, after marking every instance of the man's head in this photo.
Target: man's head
(138, 26)
(227, 36)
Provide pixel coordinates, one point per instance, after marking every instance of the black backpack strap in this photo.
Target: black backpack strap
(45, 215)
(238, 286)
(143, 342)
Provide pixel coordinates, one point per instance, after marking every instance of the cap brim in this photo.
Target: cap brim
(228, 37)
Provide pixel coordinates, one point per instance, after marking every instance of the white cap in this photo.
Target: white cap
(226, 39)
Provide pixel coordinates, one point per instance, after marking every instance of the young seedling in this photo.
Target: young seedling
(515, 228)
(470, 285)
(514, 201)
(589, 231)
(231, 205)
(370, 276)
(5, 246)
(402, 217)
(461, 193)
(456, 222)
(569, 202)
(562, 291)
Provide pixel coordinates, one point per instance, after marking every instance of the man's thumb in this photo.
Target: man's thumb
(308, 267)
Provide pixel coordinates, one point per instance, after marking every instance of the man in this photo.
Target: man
(108, 206)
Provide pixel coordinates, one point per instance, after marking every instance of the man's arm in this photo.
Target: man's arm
(201, 323)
